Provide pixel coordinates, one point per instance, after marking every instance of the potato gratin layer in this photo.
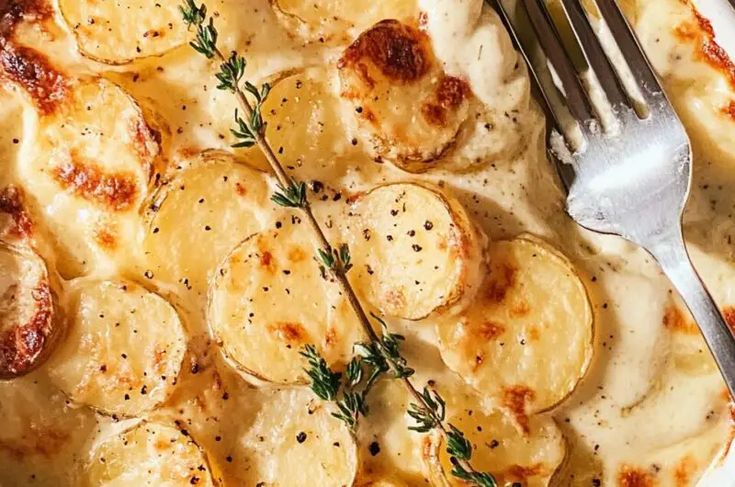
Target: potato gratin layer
(153, 300)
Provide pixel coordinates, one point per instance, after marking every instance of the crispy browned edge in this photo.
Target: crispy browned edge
(26, 346)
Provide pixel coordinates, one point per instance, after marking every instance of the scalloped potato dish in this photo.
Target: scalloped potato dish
(158, 309)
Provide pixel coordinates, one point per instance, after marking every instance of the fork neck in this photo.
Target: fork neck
(670, 251)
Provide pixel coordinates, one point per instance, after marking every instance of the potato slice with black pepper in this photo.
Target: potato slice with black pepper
(149, 454)
(88, 169)
(120, 31)
(305, 126)
(414, 249)
(527, 339)
(407, 108)
(530, 457)
(208, 208)
(295, 441)
(123, 350)
(28, 320)
(331, 21)
(268, 300)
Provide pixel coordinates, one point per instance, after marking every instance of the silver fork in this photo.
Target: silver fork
(634, 182)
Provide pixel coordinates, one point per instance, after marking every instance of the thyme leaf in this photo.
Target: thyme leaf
(335, 260)
(324, 382)
(457, 445)
(428, 415)
(243, 133)
(231, 72)
(292, 196)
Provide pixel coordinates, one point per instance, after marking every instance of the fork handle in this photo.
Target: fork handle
(672, 255)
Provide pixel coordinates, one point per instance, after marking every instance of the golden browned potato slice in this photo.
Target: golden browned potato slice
(304, 126)
(527, 339)
(294, 441)
(150, 454)
(330, 21)
(119, 31)
(498, 447)
(88, 169)
(407, 108)
(414, 250)
(208, 208)
(28, 322)
(123, 350)
(268, 300)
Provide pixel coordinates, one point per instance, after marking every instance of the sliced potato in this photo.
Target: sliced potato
(88, 170)
(207, 208)
(527, 339)
(499, 448)
(304, 126)
(331, 20)
(28, 321)
(414, 250)
(295, 441)
(102, 150)
(149, 454)
(268, 300)
(119, 31)
(123, 350)
(407, 108)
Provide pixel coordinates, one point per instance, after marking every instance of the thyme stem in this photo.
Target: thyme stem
(206, 44)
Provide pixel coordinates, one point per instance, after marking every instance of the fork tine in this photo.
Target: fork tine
(549, 97)
(594, 53)
(577, 101)
(630, 48)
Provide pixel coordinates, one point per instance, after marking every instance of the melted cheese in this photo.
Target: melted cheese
(651, 409)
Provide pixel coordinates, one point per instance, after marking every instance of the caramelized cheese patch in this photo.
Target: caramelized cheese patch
(33, 72)
(729, 110)
(11, 203)
(702, 34)
(449, 95)
(710, 50)
(26, 311)
(629, 476)
(516, 398)
(12, 12)
(400, 52)
(729, 314)
(675, 321)
(116, 191)
(21, 345)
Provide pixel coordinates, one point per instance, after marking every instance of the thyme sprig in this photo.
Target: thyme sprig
(350, 392)
(378, 356)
